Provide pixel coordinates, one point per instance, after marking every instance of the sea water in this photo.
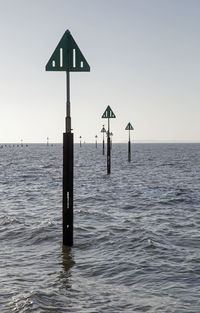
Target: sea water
(136, 231)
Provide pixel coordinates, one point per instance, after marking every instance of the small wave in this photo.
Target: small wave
(48, 166)
(45, 231)
(10, 220)
(22, 303)
(36, 301)
(172, 200)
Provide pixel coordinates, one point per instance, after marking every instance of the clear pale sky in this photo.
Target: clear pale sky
(144, 57)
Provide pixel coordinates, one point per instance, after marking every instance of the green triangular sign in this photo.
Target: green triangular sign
(67, 56)
(129, 127)
(103, 130)
(108, 113)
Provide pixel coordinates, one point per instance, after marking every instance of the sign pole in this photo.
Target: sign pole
(68, 161)
(129, 148)
(103, 145)
(67, 57)
(68, 117)
(96, 141)
(108, 148)
(129, 127)
(108, 114)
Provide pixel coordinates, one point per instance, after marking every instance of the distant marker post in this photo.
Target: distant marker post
(129, 127)
(103, 130)
(96, 141)
(67, 57)
(108, 114)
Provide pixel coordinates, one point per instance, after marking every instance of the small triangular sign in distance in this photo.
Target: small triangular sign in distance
(67, 56)
(129, 127)
(108, 113)
(103, 130)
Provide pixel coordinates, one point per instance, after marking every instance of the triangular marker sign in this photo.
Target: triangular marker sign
(103, 130)
(67, 56)
(129, 127)
(108, 113)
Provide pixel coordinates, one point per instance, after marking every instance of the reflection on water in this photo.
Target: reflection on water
(67, 259)
(67, 262)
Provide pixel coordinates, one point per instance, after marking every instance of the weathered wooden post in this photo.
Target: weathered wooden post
(108, 114)
(103, 146)
(129, 127)
(67, 57)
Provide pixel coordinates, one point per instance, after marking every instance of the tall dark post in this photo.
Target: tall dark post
(108, 149)
(103, 148)
(108, 114)
(129, 148)
(68, 160)
(80, 141)
(129, 127)
(67, 57)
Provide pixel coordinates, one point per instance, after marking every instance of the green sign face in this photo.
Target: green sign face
(67, 56)
(129, 127)
(108, 113)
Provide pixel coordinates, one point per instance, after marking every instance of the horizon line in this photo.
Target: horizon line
(99, 142)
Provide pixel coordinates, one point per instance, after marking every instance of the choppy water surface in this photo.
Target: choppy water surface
(137, 231)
